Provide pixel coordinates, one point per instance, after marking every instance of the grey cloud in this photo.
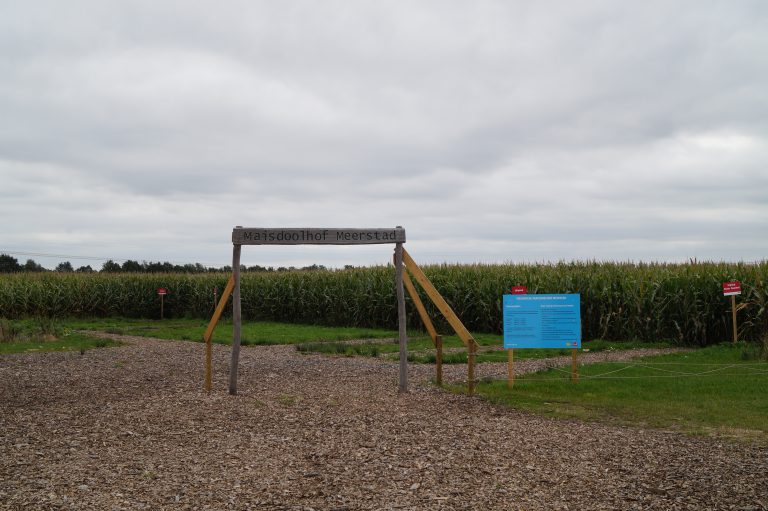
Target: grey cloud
(533, 125)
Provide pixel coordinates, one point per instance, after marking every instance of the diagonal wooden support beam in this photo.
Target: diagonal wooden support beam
(212, 325)
(219, 308)
(437, 340)
(438, 300)
(420, 308)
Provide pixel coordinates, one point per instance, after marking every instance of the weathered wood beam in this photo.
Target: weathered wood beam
(438, 300)
(212, 325)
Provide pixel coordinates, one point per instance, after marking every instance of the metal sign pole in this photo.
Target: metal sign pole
(401, 317)
(236, 321)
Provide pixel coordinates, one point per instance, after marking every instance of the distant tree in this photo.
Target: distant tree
(85, 269)
(31, 265)
(157, 267)
(111, 267)
(9, 264)
(64, 267)
(130, 266)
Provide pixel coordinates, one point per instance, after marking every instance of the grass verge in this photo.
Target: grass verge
(719, 390)
(340, 348)
(71, 341)
(253, 332)
(421, 350)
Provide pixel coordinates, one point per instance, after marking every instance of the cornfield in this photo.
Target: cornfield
(619, 301)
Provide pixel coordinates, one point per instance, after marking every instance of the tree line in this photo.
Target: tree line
(9, 264)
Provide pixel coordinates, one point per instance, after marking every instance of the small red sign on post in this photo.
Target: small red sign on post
(162, 292)
(519, 290)
(731, 288)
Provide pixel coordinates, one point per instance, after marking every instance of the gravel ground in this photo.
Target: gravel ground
(131, 428)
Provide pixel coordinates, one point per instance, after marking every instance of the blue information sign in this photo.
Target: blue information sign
(542, 321)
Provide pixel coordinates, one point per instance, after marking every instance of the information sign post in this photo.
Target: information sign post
(542, 321)
(516, 290)
(162, 292)
(732, 289)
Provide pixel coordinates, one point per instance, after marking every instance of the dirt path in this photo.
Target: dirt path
(130, 428)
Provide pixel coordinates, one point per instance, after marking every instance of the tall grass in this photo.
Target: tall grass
(620, 301)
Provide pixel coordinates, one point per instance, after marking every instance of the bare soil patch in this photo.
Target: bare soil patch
(131, 428)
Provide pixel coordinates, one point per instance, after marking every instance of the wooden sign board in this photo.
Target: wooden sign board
(313, 236)
(542, 321)
(732, 288)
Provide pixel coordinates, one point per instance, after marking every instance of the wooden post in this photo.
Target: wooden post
(236, 320)
(510, 368)
(161, 306)
(439, 360)
(733, 312)
(420, 308)
(401, 317)
(471, 352)
(574, 366)
(208, 366)
(211, 326)
(437, 340)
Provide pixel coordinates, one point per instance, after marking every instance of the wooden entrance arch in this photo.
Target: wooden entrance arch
(313, 236)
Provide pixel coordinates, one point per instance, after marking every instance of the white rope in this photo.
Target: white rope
(603, 377)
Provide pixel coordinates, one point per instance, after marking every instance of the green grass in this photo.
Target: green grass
(252, 333)
(709, 391)
(490, 340)
(71, 341)
(339, 348)
(30, 329)
(44, 334)
(422, 351)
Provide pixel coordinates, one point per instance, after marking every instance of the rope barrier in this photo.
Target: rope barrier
(740, 364)
(717, 371)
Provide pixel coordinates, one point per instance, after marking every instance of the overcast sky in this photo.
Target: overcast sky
(492, 131)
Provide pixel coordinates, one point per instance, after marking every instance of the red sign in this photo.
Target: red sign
(162, 291)
(731, 288)
(519, 290)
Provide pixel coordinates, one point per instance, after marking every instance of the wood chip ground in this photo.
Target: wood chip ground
(131, 428)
